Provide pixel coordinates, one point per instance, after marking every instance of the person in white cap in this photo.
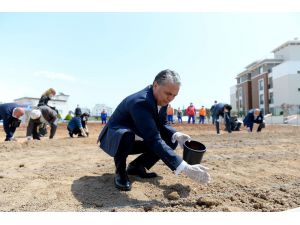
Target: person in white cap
(43, 114)
(10, 113)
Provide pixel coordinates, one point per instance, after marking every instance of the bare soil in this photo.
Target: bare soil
(250, 172)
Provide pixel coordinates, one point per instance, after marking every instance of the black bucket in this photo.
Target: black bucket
(193, 152)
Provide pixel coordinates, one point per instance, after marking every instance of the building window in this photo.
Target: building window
(261, 70)
(270, 85)
(240, 92)
(271, 98)
(261, 99)
(261, 85)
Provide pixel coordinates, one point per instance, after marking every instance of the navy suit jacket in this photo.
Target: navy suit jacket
(219, 111)
(249, 119)
(138, 113)
(6, 111)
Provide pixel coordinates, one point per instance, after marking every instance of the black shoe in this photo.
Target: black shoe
(122, 182)
(139, 171)
(36, 137)
(71, 134)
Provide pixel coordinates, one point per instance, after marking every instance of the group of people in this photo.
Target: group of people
(218, 110)
(40, 118)
(190, 111)
(232, 123)
(139, 125)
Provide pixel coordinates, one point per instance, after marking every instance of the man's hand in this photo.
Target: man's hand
(86, 131)
(181, 138)
(197, 173)
(83, 132)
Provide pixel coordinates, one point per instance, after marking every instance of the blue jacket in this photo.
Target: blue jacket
(103, 116)
(6, 111)
(138, 114)
(74, 123)
(249, 119)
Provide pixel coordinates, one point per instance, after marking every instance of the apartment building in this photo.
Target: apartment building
(270, 84)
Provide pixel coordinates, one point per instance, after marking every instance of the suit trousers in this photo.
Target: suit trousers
(129, 146)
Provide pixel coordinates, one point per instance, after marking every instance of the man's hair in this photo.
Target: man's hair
(228, 107)
(18, 111)
(167, 76)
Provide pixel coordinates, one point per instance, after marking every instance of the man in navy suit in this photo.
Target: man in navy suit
(254, 116)
(10, 114)
(143, 115)
(223, 110)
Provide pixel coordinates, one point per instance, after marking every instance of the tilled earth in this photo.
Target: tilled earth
(250, 172)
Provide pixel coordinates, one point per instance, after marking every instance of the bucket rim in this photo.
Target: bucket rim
(204, 150)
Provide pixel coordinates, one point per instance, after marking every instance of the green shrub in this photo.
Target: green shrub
(68, 117)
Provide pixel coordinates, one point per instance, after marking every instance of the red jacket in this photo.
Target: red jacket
(191, 111)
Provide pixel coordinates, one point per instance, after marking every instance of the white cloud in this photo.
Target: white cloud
(54, 75)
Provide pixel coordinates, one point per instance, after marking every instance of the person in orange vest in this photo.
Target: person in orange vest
(170, 113)
(202, 114)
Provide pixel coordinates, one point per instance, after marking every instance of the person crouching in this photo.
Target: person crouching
(84, 120)
(75, 126)
(38, 116)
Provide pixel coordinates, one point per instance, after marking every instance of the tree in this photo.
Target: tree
(68, 117)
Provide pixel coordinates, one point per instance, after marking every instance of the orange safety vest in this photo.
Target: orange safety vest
(170, 111)
(202, 112)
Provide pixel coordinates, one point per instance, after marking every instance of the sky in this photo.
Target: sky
(102, 57)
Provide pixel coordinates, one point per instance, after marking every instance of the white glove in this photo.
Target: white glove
(197, 173)
(181, 138)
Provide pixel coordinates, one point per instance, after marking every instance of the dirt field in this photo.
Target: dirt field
(250, 172)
